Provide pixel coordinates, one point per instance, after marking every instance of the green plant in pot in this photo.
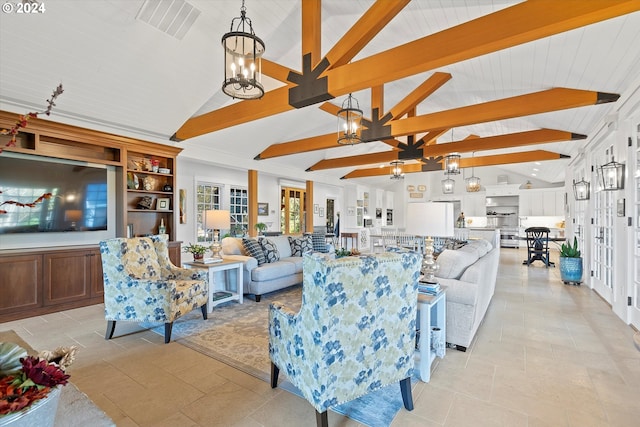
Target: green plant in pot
(196, 250)
(570, 263)
(260, 226)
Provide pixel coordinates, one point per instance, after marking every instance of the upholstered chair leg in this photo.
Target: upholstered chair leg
(407, 398)
(111, 327)
(321, 419)
(258, 298)
(167, 332)
(274, 375)
(204, 311)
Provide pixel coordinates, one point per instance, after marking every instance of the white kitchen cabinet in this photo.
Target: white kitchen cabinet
(542, 202)
(474, 204)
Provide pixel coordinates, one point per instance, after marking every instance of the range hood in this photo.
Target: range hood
(503, 201)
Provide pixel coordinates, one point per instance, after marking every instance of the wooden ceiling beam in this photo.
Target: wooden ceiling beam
(494, 160)
(517, 106)
(468, 145)
(276, 71)
(312, 30)
(512, 26)
(363, 31)
(419, 94)
(313, 143)
(524, 22)
(349, 161)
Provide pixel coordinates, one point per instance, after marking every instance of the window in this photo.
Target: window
(239, 209)
(292, 210)
(208, 198)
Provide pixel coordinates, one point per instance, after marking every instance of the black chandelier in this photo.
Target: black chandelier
(243, 52)
(350, 122)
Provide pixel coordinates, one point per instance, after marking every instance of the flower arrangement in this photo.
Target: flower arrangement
(26, 379)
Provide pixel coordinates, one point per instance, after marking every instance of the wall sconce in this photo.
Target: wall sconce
(448, 185)
(581, 189)
(612, 176)
(452, 164)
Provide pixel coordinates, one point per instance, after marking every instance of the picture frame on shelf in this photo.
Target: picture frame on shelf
(263, 209)
(163, 204)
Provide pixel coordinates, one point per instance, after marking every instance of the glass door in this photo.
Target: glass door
(603, 217)
(292, 210)
(635, 241)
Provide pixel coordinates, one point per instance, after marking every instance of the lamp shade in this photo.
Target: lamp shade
(430, 219)
(217, 220)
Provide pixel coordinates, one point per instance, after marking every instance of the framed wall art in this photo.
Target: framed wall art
(163, 204)
(263, 209)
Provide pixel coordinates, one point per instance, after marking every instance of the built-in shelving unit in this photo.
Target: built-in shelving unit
(35, 281)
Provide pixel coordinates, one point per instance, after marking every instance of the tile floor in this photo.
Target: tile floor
(547, 355)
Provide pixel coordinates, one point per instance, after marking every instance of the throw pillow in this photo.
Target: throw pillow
(254, 249)
(300, 245)
(270, 250)
(319, 243)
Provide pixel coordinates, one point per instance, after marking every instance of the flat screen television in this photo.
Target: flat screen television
(79, 195)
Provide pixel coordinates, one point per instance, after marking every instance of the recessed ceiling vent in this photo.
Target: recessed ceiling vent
(173, 17)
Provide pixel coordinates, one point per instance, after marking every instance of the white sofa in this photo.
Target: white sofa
(469, 273)
(268, 277)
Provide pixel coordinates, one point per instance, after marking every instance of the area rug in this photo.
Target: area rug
(237, 335)
(75, 407)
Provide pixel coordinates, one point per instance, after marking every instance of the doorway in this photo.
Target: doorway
(293, 202)
(602, 259)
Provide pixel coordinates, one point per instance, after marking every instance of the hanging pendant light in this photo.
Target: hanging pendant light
(612, 176)
(396, 170)
(448, 186)
(581, 189)
(243, 52)
(472, 183)
(350, 122)
(452, 164)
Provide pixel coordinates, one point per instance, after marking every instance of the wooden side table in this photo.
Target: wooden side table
(432, 313)
(226, 266)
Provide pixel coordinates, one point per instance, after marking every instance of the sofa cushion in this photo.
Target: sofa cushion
(283, 245)
(233, 246)
(296, 261)
(319, 242)
(254, 249)
(271, 271)
(270, 250)
(475, 247)
(453, 263)
(300, 245)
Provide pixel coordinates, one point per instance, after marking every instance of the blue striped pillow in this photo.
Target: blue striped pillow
(253, 248)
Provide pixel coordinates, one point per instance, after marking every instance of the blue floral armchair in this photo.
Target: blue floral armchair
(355, 332)
(142, 285)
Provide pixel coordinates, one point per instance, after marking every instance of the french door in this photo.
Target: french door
(635, 241)
(293, 202)
(602, 232)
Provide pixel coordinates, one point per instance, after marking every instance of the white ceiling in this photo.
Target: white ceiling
(123, 75)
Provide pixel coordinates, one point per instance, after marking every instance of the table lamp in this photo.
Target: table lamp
(217, 220)
(429, 219)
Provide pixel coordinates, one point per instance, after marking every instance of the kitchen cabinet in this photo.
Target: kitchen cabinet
(542, 202)
(474, 204)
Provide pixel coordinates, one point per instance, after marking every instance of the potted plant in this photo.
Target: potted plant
(196, 250)
(570, 263)
(260, 226)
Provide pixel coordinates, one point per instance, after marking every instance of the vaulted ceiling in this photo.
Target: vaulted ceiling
(504, 83)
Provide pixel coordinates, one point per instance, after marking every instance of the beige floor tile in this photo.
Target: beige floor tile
(547, 355)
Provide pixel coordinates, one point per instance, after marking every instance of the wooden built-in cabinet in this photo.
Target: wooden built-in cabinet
(45, 280)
